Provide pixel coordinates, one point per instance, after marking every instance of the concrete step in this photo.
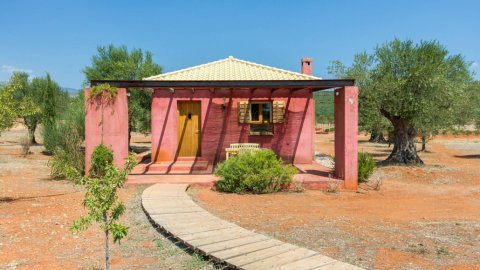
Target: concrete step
(200, 180)
(179, 166)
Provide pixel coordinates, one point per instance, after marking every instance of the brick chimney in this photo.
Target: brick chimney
(307, 66)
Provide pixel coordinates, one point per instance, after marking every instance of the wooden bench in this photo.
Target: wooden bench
(236, 148)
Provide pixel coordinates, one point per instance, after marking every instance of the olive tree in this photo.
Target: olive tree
(416, 87)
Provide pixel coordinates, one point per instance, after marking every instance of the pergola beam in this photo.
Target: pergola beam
(315, 85)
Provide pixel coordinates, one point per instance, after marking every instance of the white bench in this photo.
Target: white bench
(236, 148)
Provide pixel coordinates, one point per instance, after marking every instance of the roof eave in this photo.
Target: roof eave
(313, 84)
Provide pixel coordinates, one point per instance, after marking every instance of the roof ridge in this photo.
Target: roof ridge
(274, 68)
(231, 59)
(187, 69)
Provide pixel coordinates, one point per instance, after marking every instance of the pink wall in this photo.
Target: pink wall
(293, 140)
(114, 133)
(346, 133)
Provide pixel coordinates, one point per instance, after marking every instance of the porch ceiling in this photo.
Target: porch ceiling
(314, 85)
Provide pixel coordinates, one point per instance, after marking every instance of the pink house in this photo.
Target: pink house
(199, 111)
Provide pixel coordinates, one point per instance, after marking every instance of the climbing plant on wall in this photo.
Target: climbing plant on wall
(105, 94)
(105, 91)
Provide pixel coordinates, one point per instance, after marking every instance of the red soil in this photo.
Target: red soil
(421, 218)
(37, 212)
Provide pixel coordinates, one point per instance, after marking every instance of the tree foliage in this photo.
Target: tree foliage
(8, 110)
(416, 87)
(36, 101)
(370, 118)
(117, 63)
(324, 107)
(474, 102)
(16, 103)
(101, 197)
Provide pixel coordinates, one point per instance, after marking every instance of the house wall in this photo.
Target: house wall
(293, 140)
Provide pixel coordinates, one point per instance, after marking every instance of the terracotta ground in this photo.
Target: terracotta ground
(421, 218)
(36, 212)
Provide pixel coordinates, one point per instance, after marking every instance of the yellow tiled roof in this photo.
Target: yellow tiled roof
(231, 69)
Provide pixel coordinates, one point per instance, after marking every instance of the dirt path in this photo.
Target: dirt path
(36, 213)
(421, 218)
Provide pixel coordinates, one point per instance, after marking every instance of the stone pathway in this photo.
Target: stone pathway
(172, 210)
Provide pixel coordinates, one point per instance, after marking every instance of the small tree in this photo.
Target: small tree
(54, 103)
(101, 198)
(34, 102)
(14, 105)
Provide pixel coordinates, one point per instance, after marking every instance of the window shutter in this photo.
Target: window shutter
(243, 112)
(278, 111)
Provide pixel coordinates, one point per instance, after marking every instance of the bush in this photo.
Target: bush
(256, 172)
(102, 157)
(51, 137)
(366, 165)
(64, 138)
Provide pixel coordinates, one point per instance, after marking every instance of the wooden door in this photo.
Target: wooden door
(188, 129)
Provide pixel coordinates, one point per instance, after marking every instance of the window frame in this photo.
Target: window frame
(260, 112)
(261, 120)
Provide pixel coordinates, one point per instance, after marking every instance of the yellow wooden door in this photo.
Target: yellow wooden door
(188, 129)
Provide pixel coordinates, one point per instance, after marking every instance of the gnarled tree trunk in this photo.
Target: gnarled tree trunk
(404, 151)
(31, 132)
(32, 136)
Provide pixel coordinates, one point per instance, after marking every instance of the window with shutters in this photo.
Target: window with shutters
(261, 115)
(261, 118)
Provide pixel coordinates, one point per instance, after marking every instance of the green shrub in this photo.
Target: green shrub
(102, 157)
(256, 172)
(366, 165)
(64, 138)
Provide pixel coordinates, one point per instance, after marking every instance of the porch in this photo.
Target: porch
(310, 176)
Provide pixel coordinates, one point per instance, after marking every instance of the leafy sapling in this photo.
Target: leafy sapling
(101, 200)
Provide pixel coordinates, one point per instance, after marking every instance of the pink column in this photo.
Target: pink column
(346, 132)
(107, 123)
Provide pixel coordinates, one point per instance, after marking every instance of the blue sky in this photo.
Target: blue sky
(61, 36)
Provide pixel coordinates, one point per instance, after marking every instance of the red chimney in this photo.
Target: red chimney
(307, 66)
